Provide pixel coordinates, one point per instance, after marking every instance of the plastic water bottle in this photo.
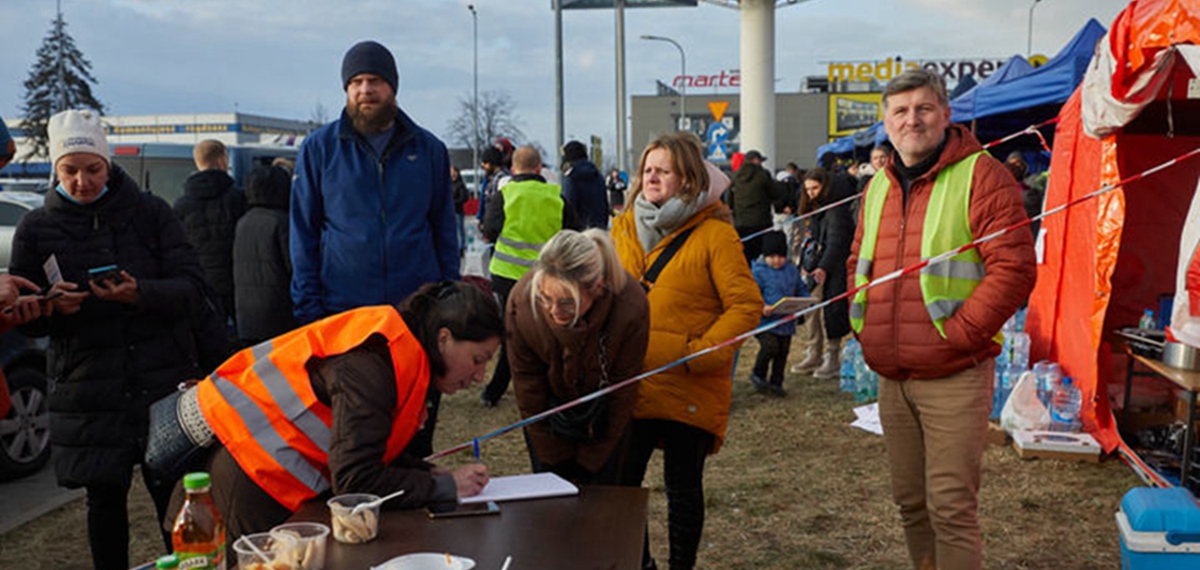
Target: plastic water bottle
(1047, 376)
(998, 395)
(1064, 407)
(1020, 350)
(865, 384)
(850, 354)
(1147, 321)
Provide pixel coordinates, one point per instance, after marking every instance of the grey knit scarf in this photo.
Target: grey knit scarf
(656, 222)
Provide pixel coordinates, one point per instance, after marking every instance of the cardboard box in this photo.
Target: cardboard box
(1159, 528)
(996, 435)
(1056, 445)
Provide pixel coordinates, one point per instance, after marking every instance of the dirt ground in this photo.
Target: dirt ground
(794, 487)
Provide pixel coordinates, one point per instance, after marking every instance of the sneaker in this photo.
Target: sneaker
(487, 402)
(778, 391)
(760, 385)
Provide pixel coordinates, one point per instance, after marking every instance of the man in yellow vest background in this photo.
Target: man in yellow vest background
(521, 217)
(932, 335)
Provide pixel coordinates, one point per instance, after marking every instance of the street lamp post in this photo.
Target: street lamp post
(1029, 44)
(682, 75)
(475, 102)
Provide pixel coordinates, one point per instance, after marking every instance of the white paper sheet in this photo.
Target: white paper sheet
(868, 418)
(518, 487)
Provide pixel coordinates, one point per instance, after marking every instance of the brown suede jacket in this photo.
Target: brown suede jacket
(547, 359)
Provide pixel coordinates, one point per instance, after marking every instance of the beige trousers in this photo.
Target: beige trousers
(935, 432)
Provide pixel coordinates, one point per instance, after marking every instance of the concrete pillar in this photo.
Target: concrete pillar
(758, 78)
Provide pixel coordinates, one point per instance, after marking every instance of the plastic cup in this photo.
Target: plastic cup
(354, 529)
(280, 552)
(310, 542)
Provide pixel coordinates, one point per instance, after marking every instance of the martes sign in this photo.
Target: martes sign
(727, 78)
(951, 70)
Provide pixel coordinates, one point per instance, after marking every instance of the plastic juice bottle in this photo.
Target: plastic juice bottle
(199, 533)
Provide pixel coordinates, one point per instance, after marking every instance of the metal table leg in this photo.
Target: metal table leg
(1189, 439)
(1128, 390)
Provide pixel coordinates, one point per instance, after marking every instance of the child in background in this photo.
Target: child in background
(777, 279)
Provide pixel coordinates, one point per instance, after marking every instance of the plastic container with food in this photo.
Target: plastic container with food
(354, 528)
(310, 542)
(267, 551)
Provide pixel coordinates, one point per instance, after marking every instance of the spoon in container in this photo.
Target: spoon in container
(257, 552)
(372, 504)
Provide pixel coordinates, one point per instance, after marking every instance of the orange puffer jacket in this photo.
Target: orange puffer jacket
(704, 296)
(898, 338)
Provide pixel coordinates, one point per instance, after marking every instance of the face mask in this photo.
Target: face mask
(63, 192)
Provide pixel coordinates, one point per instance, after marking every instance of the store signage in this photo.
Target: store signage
(884, 70)
(727, 78)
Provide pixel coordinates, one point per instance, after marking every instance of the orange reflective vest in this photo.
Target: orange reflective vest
(261, 405)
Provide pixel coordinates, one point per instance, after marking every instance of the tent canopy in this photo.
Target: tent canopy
(1051, 83)
(866, 138)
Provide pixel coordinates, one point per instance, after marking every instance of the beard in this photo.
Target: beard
(375, 121)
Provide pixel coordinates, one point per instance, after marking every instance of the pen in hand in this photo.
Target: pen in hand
(476, 444)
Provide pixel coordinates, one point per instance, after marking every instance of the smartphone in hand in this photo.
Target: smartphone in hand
(110, 274)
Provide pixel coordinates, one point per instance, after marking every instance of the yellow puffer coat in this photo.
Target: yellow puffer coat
(704, 296)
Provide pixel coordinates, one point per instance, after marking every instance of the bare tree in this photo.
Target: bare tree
(497, 118)
(318, 116)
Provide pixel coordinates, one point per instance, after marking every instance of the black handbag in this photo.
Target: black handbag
(810, 254)
(178, 434)
(586, 422)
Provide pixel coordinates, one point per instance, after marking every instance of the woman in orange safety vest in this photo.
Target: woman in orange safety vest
(331, 406)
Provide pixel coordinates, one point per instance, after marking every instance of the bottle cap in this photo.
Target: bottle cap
(197, 480)
(1067, 381)
(167, 562)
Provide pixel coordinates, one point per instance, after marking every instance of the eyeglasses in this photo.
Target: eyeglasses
(548, 303)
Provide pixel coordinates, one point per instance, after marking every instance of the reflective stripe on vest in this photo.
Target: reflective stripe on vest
(947, 226)
(532, 215)
(262, 406)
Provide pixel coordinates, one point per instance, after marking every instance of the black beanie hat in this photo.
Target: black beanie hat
(369, 57)
(574, 151)
(774, 243)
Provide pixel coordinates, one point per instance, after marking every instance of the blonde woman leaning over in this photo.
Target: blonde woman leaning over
(576, 323)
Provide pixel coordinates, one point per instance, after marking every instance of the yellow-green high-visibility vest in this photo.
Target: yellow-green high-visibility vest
(532, 215)
(945, 285)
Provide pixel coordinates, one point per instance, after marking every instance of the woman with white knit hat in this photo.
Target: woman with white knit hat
(118, 323)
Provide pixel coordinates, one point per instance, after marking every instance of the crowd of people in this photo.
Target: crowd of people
(337, 282)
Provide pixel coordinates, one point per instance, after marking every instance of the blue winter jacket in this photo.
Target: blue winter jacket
(367, 230)
(776, 284)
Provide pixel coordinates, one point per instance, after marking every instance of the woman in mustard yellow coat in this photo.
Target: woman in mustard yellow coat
(704, 295)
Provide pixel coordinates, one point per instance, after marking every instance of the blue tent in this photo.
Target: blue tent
(1013, 69)
(1049, 84)
(867, 138)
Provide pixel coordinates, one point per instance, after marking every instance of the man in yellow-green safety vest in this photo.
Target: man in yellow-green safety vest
(932, 334)
(520, 218)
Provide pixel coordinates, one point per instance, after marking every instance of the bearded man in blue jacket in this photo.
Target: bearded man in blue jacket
(372, 210)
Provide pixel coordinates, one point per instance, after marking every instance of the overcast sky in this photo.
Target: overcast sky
(282, 59)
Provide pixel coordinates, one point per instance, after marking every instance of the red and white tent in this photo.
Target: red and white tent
(1107, 259)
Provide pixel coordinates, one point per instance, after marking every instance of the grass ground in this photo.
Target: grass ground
(795, 487)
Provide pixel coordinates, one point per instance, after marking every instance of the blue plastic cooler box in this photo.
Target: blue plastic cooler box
(1160, 530)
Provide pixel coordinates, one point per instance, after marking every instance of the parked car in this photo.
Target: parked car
(25, 430)
(14, 204)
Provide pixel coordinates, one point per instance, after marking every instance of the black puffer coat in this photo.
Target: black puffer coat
(209, 209)
(834, 229)
(109, 361)
(262, 266)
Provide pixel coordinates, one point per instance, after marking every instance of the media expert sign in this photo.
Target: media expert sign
(949, 69)
(851, 112)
